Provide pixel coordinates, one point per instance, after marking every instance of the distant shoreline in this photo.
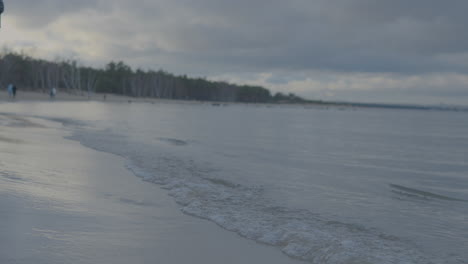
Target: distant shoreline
(108, 97)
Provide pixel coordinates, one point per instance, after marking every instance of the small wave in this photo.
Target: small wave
(222, 182)
(64, 121)
(135, 202)
(174, 141)
(13, 120)
(402, 190)
(10, 176)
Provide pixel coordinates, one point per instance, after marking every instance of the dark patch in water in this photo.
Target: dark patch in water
(64, 121)
(133, 202)
(402, 190)
(23, 122)
(17, 121)
(11, 140)
(174, 141)
(10, 176)
(222, 182)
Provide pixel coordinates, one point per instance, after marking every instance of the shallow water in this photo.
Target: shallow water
(326, 186)
(63, 203)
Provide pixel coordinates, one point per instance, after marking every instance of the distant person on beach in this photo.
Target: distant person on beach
(14, 91)
(10, 90)
(52, 93)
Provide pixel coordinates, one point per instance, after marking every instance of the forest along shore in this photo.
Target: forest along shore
(119, 78)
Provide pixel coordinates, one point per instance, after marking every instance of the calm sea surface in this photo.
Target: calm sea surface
(322, 185)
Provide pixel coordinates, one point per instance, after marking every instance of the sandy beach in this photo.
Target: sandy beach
(66, 96)
(35, 96)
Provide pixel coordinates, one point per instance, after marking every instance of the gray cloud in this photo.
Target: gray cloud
(39, 13)
(342, 35)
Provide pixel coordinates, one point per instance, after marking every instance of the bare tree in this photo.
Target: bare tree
(71, 76)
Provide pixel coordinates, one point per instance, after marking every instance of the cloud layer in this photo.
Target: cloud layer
(320, 42)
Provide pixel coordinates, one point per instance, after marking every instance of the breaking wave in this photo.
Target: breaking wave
(406, 191)
(174, 141)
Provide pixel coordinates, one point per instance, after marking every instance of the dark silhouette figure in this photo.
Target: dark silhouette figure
(14, 91)
(52, 93)
(1, 10)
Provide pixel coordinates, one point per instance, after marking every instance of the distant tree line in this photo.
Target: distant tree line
(119, 78)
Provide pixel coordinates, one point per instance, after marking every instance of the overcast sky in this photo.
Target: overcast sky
(354, 50)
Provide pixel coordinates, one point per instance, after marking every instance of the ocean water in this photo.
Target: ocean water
(321, 185)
